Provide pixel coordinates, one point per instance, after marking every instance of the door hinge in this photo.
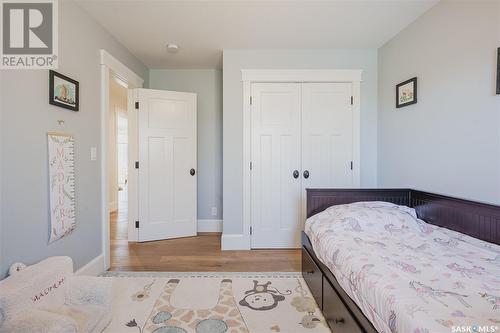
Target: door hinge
(250, 165)
(137, 224)
(352, 100)
(250, 100)
(352, 165)
(137, 164)
(137, 105)
(250, 230)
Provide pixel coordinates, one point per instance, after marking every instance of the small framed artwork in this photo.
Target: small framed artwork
(406, 93)
(63, 91)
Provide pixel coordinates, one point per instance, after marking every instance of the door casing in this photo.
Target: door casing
(109, 67)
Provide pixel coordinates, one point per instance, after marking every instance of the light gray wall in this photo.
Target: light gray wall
(1, 176)
(235, 60)
(449, 141)
(207, 83)
(26, 118)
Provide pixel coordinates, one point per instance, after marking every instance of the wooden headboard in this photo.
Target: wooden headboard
(479, 220)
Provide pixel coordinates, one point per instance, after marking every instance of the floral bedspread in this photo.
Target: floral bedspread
(407, 275)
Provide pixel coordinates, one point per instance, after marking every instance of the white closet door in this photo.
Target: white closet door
(276, 194)
(327, 136)
(167, 164)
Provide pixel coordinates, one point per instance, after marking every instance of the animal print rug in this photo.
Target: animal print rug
(213, 303)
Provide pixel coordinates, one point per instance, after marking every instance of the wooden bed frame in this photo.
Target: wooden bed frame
(475, 219)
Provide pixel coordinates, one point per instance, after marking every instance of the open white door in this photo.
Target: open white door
(167, 164)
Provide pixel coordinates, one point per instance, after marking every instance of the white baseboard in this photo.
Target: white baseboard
(209, 226)
(235, 242)
(93, 267)
(113, 206)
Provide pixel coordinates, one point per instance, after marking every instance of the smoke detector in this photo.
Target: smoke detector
(172, 48)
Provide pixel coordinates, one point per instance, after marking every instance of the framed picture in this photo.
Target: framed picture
(406, 93)
(63, 91)
(498, 71)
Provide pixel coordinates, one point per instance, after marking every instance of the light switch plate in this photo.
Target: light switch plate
(214, 211)
(93, 154)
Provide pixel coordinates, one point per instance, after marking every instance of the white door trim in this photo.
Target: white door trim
(249, 76)
(301, 75)
(109, 67)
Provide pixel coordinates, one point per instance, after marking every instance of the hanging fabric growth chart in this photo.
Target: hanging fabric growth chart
(62, 185)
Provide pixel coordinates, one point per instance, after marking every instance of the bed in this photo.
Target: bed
(379, 268)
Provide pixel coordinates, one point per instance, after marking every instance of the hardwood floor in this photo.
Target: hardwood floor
(201, 253)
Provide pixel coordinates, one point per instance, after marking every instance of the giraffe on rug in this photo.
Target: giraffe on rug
(223, 317)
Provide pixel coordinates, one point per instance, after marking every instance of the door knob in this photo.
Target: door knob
(296, 174)
(306, 174)
(192, 172)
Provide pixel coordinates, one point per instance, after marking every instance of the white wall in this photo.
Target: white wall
(26, 118)
(207, 83)
(449, 142)
(235, 60)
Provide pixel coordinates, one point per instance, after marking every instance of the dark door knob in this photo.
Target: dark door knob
(306, 174)
(192, 172)
(339, 321)
(296, 174)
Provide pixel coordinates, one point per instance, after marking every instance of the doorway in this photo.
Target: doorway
(118, 159)
(114, 72)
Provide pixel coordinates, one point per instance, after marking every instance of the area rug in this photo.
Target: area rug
(213, 303)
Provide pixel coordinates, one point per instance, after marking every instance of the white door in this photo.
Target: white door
(327, 136)
(276, 194)
(167, 164)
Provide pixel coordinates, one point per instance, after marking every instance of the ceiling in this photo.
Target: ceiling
(202, 29)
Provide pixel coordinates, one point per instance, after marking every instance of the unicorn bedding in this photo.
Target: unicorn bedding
(407, 275)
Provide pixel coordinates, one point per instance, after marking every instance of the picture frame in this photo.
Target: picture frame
(498, 71)
(63, 91)
(406, 93)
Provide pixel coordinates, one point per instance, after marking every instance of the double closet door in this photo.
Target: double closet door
(302, 137)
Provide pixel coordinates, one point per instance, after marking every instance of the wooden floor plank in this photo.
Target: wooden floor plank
(200, 253)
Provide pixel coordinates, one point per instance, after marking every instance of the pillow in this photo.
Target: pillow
(40, 286)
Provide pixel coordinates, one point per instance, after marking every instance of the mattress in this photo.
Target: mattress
(407, 275)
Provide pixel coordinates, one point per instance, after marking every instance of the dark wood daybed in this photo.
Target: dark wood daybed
(475, 219)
